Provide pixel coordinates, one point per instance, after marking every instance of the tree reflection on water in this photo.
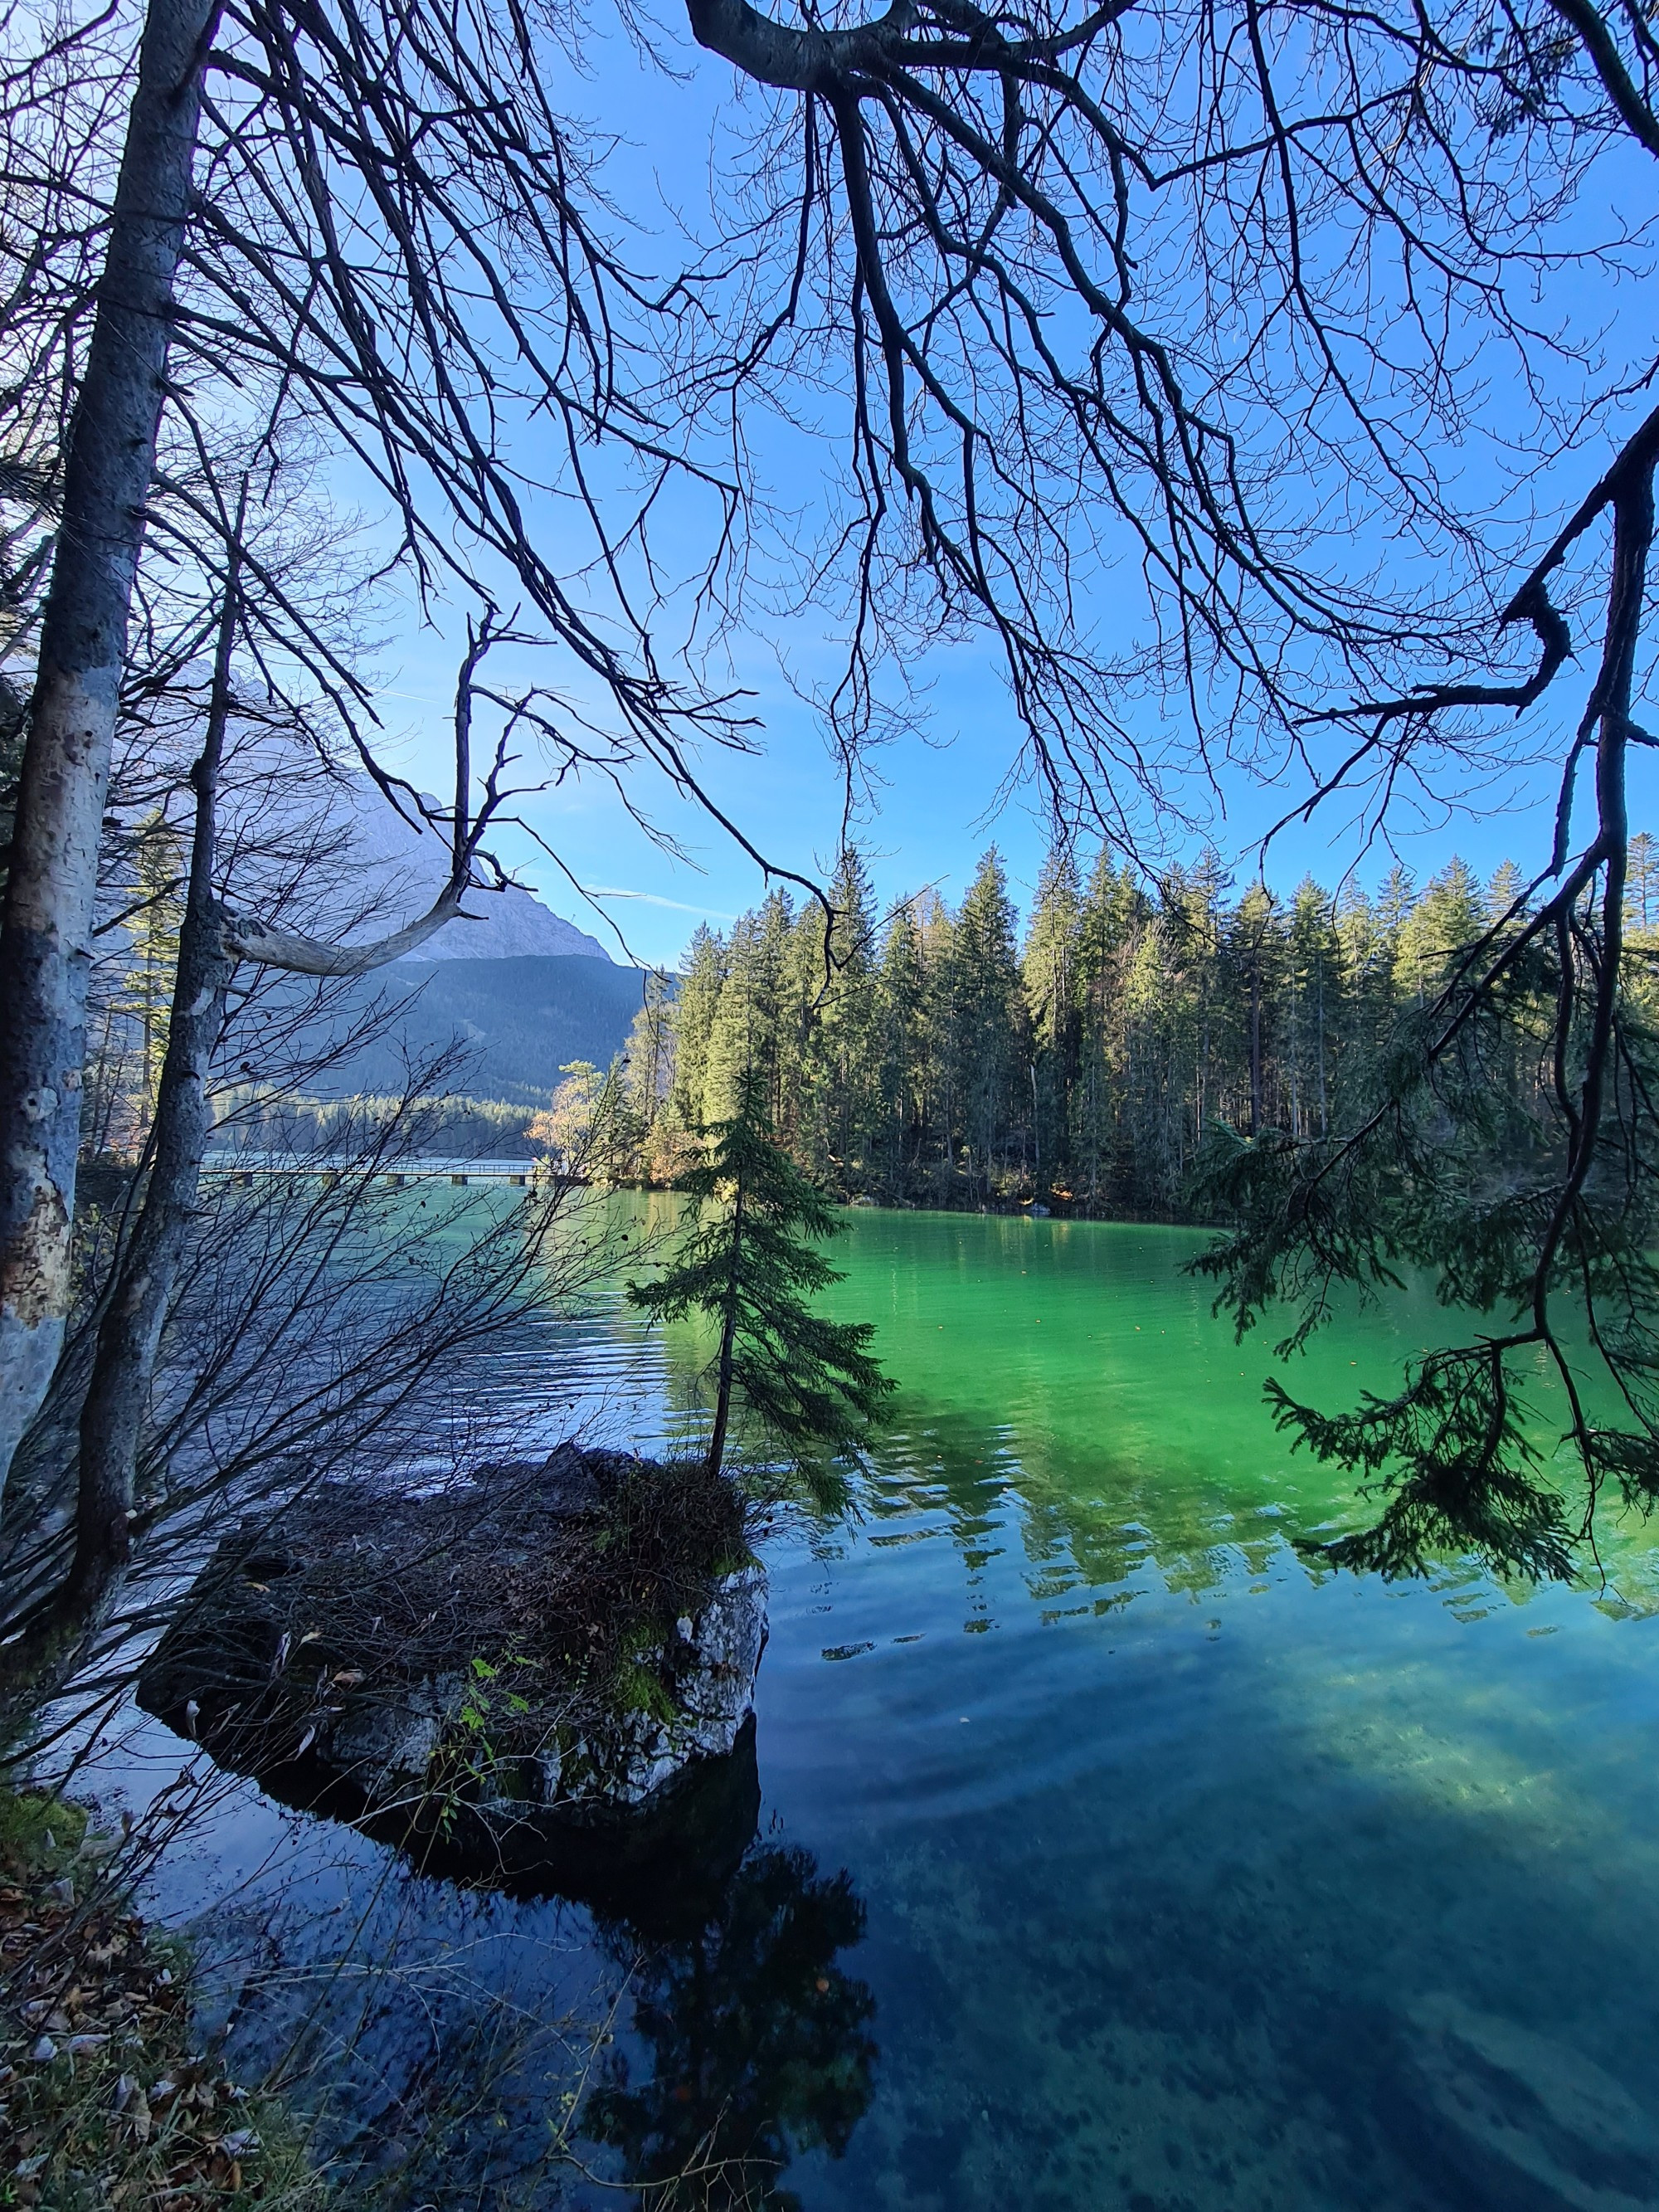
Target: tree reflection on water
(749, 2044)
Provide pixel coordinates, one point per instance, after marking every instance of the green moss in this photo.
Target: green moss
(635, 1689)
(39, 1834)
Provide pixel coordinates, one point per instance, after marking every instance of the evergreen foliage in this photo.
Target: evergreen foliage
(1449, 1152)
(1361, 1089)
(748, 1261)
(933, 1058)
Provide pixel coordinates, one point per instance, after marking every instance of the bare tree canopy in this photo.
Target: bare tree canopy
(1220, 295)
(365, 234)
(1227, 367)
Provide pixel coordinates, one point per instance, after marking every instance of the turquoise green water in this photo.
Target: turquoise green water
(1172, 1874)
(1197, 1878)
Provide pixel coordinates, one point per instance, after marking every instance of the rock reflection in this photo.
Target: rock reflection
(749, 2044)
(456, 2049)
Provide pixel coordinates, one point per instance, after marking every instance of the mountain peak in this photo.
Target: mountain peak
(408, 866)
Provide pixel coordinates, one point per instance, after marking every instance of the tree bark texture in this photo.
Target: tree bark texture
(123, 1365)
(52, 883)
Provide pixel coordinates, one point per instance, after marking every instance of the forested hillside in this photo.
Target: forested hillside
(519, 1023)
(954, 1059)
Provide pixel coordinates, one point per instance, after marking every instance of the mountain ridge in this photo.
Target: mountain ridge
(407, 867)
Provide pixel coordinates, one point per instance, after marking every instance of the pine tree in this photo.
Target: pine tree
(1051, 973)
(1313, 1025)
(745, 1032)
(1160, 1030)
(1508, 887)
(939, 1069)
(1254, 954)
(1095, 1065)
(748, 1261)
(702, 979)
(1642, 886)
(841, 1084)
(649, 1052)
(1112, 916)
(901, 993)
(1451, 914)
(988, 1022)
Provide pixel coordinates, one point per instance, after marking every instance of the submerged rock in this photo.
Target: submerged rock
(543, 1654)
(1527, 2123)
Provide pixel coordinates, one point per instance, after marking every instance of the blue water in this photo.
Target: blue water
(1108, 1856)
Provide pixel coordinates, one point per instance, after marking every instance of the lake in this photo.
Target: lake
(1110, 1855)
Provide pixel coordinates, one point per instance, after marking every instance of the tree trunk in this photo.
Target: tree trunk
(728, 1344)
(53, 881)
(136, 1304)
(1324, 1103)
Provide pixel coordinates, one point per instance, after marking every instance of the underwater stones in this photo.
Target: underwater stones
(1527, 2123)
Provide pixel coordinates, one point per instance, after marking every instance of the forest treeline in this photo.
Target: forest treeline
(949, 1058)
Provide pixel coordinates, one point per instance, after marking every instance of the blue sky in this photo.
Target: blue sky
(936, 812)
(936, 798)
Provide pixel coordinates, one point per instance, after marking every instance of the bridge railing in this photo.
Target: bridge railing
(248, 1167)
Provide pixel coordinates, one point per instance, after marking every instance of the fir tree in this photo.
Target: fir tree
(1642, 886)
(1451, 914)
(1254, 952)
(840, 1112)
(748, 1261)
(745, 1030)
(901, 1003)
(1095, 1066)
(649, 1054)
(1111, 916)
(702, 979)
(987, 1021)
(1051, 971)
(1313, 1007)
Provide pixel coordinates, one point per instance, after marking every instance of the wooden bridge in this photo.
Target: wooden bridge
(249, 1168)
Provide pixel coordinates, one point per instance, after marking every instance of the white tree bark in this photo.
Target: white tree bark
(52, 885)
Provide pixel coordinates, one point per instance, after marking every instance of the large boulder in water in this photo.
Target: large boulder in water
(544, 1660)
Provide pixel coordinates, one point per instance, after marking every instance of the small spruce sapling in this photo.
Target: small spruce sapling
(748, 1261)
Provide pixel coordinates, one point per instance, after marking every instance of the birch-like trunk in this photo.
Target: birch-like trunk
(129, 1331)
(52, 882)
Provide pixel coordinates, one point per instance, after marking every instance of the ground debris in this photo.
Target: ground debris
(105, 2104)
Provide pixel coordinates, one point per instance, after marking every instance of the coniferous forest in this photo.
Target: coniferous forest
(1075, 1057)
